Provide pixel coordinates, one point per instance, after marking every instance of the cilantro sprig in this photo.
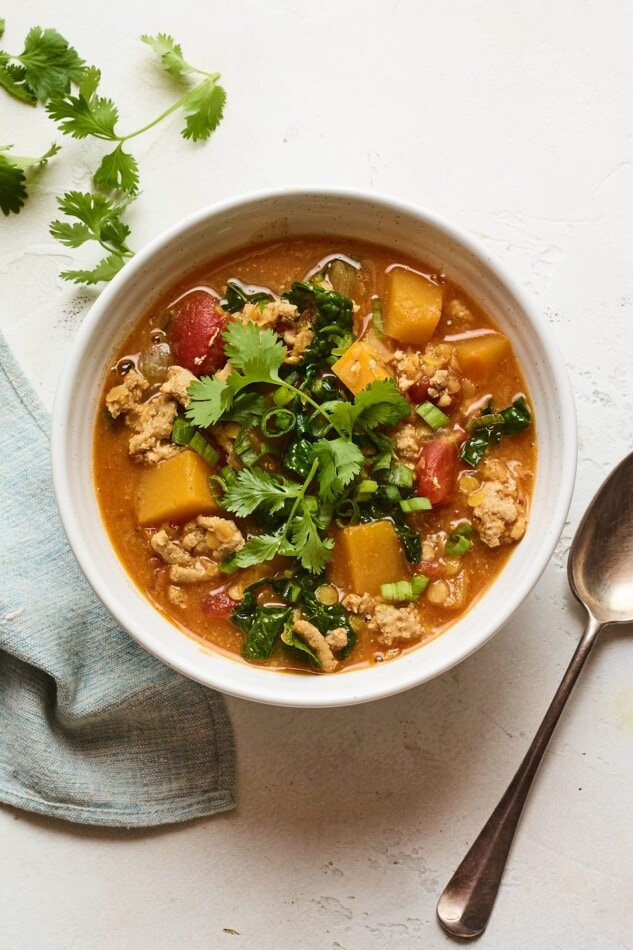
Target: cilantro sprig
(45, 68)
(89, 114)
(326, 453)
(49, 71)
(98, 219)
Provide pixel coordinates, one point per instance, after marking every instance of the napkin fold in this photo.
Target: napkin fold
(92, 728)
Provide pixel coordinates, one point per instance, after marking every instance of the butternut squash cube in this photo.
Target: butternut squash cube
(479, 356)
(370, 555)
(175, 490)
(413, 307)
(359, 366)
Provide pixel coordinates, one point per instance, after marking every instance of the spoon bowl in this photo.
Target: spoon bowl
(600, 572)
(600, 565)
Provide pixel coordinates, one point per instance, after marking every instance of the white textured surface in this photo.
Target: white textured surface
(515, 120)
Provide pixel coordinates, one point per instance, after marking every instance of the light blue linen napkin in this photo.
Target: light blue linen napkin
(92, 728)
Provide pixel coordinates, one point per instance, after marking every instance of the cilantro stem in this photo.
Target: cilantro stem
(299, 499)
(177, 105)
(303, 395)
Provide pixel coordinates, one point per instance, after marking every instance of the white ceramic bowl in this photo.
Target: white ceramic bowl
(266, 215)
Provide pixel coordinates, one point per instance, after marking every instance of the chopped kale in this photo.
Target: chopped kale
(490, 427)
(238, 295)
(262, 625)
(332, 323)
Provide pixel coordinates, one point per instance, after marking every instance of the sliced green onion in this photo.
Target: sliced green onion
(481, 422)
(347, 513)
(458, 542)
(404, 590)
(185, 434)
(376, 317)
(327, 595)
(245, 449)
(278, 422)
(433, 416)
(293, 593)
(401, 475)
(251, 452)
(367, 487)
(182, 431)
(391, 493)
(204, 450)
(283, 396)
(415, 504)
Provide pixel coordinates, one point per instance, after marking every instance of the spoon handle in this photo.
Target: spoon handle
(466, 903)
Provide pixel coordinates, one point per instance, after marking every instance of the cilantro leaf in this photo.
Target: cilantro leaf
(381, 403)
(255, 488)
(72, 235)
(209, 398)
(45, 68)
(204, 107)
(105, 270)
(119, 170)
(170, 54)
(260, 548)
(87, 113)
(13, 191)
(94, 210)
(12, 78)
(313, 551)
(257, 353)
(340, 461)
(50, 62)
(2, 26)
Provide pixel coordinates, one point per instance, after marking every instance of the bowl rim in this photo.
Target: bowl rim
(60, 449)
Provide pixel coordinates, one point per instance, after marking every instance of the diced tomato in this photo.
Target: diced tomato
(195, 333)
(437, 470)
(428, 568)
(218, 604)
(419, 392)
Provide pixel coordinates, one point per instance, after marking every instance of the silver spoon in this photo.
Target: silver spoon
(600, 573)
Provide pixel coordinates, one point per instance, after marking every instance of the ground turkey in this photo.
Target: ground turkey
(177, 383)
(195, 553)
(316, 641)
(153, 422)
(269, 315)
(396, 623)
(128, 394)
(297, 339)
(183, 567)
(408, 441)
(499, 515)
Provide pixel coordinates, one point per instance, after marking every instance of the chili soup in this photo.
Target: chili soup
(314, 454)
